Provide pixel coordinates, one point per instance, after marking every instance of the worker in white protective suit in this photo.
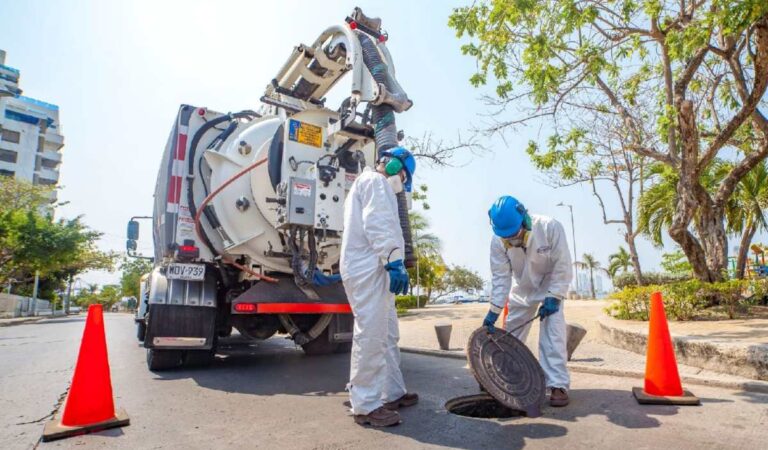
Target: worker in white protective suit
(372, 270)
(531, 268)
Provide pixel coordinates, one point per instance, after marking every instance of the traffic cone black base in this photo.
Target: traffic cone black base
(687, 399)
(55, 430)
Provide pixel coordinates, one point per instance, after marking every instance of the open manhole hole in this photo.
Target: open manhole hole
(481, 406)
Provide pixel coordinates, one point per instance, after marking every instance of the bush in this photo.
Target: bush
(627, 279)
(409, 301)
(690, 299)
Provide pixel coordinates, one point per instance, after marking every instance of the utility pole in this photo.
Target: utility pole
(69, 296)
(418, 286)
(573, 233)
(34, 293)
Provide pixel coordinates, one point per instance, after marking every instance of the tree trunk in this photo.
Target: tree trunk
(592, 282)
(707, 257)
(630, 239)
(714, 239)
(741, 260)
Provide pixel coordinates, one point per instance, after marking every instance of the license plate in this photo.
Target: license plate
(191, 272)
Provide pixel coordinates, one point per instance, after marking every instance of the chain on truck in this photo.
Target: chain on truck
(249, 205)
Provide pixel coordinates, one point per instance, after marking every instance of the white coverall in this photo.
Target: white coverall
(541, 269)
(372, 237)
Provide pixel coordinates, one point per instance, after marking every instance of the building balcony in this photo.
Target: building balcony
(5, 165)
(51, 155)
(54, 140)
(48, 176)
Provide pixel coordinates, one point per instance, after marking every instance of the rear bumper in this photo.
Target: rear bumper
(291, 308)
(285, 297)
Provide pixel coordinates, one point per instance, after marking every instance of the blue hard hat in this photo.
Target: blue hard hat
(507, 216)
(409, 164)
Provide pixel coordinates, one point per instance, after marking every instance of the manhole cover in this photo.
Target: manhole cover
(480, 405)
(507, 370)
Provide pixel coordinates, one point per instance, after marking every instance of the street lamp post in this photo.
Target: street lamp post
(573, 233)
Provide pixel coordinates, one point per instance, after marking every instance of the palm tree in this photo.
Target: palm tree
(620, 260)
(426, 248)
(424, 242)
(592, 264)
(745, 213)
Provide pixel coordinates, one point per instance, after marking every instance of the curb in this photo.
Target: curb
(747, 386)
(748, 360)
(10, 323)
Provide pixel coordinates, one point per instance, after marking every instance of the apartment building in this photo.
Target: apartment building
(30, 133)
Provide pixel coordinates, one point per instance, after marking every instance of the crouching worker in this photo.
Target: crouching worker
(372, 270)
(529, 254)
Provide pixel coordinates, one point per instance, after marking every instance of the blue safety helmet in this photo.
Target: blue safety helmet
(408, 163)
(508, 215)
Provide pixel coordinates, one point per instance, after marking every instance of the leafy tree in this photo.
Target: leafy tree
(675, 263)
(108, 295)
(619, 261)
(597, 153)
(431, 271)
(458, 278)
(133, 269)
(745, 213)
(32, 241)
(590, 263)
(697, 69)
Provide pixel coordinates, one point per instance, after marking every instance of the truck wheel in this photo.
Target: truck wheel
(321, 345)
(141, 330)
(158, 360)
(343, 347)
(199, 358)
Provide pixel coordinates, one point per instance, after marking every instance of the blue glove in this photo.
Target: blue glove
(550, 306)
(321, 279)
(398, 277)
(490, 320)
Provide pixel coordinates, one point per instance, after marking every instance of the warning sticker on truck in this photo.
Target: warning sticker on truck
(305, 133)
(302, 189)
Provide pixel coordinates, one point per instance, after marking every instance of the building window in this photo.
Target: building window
(6, 173)
(11, 136)
(49, 163)
(8, 155)
(45, 182)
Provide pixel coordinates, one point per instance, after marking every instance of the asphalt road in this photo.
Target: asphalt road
(272, 396)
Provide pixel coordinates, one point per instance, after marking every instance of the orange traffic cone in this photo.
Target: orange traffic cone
(662, 380)
(89, 406)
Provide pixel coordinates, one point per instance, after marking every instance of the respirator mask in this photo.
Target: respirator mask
(396, 182)
(517, 241)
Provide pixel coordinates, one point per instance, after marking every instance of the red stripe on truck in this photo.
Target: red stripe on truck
(294, 308)
(181, 149)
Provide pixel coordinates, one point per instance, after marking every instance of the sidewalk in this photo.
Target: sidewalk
(7, 322)
(592, 356)
(19, 321)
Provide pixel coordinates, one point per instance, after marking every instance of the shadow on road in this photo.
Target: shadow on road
(618, 406)
(272, 367)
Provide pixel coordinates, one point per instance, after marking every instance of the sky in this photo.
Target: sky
(120, 70)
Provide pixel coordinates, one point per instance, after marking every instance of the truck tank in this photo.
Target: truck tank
(249, 205)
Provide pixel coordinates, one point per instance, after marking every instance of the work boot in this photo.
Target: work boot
(408, 399)
(379, 417)
(558, 397)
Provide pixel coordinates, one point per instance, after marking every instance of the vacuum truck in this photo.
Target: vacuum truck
(248, 211)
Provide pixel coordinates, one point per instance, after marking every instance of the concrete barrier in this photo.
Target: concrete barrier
(749, 360)
(18, 306)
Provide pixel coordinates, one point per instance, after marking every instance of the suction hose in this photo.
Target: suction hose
(385, 132)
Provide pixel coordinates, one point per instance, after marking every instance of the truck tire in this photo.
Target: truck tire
(343, 347)
(321, 345)
(199, 358)
(141, 331)
(159, 360)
